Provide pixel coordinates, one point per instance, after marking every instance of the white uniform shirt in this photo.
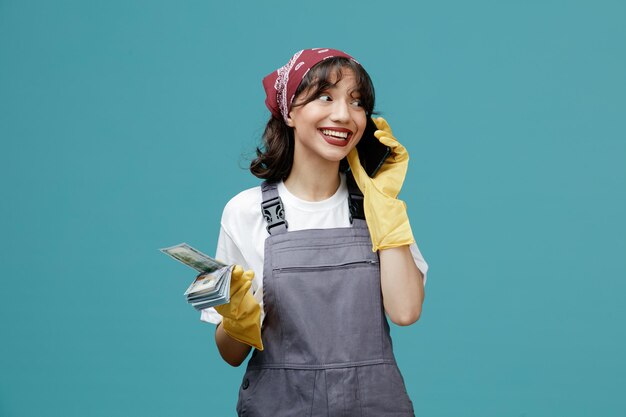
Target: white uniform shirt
(243, 231)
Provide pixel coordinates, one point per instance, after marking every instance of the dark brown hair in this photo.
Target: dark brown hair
(275, 156)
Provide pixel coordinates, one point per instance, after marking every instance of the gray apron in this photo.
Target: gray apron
(327, 349)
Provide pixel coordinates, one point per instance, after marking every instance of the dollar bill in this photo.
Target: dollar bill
(193, 258)
(212, 286)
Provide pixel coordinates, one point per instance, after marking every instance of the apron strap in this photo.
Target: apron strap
(355, 202)
(272, 209)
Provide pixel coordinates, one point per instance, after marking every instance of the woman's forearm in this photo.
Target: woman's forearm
(402, 285)
(232, 351)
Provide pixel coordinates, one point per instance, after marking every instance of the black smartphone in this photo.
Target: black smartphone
(372, 153)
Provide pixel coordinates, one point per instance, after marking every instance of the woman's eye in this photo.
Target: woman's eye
(324, 97)
(357, 103)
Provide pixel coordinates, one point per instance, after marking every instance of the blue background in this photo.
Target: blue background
(127, 125)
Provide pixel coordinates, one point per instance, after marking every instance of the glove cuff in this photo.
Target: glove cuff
(246, 331)
(389, 226)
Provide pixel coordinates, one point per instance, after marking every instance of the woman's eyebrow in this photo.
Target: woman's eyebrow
(351, 92)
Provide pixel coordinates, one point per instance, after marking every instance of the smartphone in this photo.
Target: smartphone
(372, 153)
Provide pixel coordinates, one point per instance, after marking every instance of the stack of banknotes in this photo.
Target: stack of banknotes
(210, 288)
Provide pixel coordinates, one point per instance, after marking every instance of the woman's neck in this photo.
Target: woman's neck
(313, 181)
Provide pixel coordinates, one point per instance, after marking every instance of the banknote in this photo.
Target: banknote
(212, 286)
(193, 258)
(203, 283)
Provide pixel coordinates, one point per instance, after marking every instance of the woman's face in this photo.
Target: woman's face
(331, 125)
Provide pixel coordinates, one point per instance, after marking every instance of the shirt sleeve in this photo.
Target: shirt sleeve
(419, 260)
(228, 253)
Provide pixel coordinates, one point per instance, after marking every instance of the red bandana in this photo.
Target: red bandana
(281, 85)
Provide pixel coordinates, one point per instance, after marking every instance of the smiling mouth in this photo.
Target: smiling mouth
(336, 137)
(336, 134)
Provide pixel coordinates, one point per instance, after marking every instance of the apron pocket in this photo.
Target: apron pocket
(331, 314)
(277, 393)
(382, 391)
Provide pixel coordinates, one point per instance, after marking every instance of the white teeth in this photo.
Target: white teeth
(343, 135)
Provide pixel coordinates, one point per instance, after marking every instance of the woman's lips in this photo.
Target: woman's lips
(336, 141)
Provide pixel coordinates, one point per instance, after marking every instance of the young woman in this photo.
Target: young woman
(316, 274)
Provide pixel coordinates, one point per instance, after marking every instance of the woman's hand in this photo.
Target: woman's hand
(385, 215)
(242, 315)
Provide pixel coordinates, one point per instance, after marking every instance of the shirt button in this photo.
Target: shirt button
(245, 384)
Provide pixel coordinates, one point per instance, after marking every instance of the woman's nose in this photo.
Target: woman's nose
(340, 112)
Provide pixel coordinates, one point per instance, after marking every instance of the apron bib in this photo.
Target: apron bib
(327, 348)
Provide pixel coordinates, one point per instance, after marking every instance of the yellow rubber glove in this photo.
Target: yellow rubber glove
(242, 315)
(386, 216)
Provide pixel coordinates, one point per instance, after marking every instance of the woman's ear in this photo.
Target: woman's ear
(289, 121)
